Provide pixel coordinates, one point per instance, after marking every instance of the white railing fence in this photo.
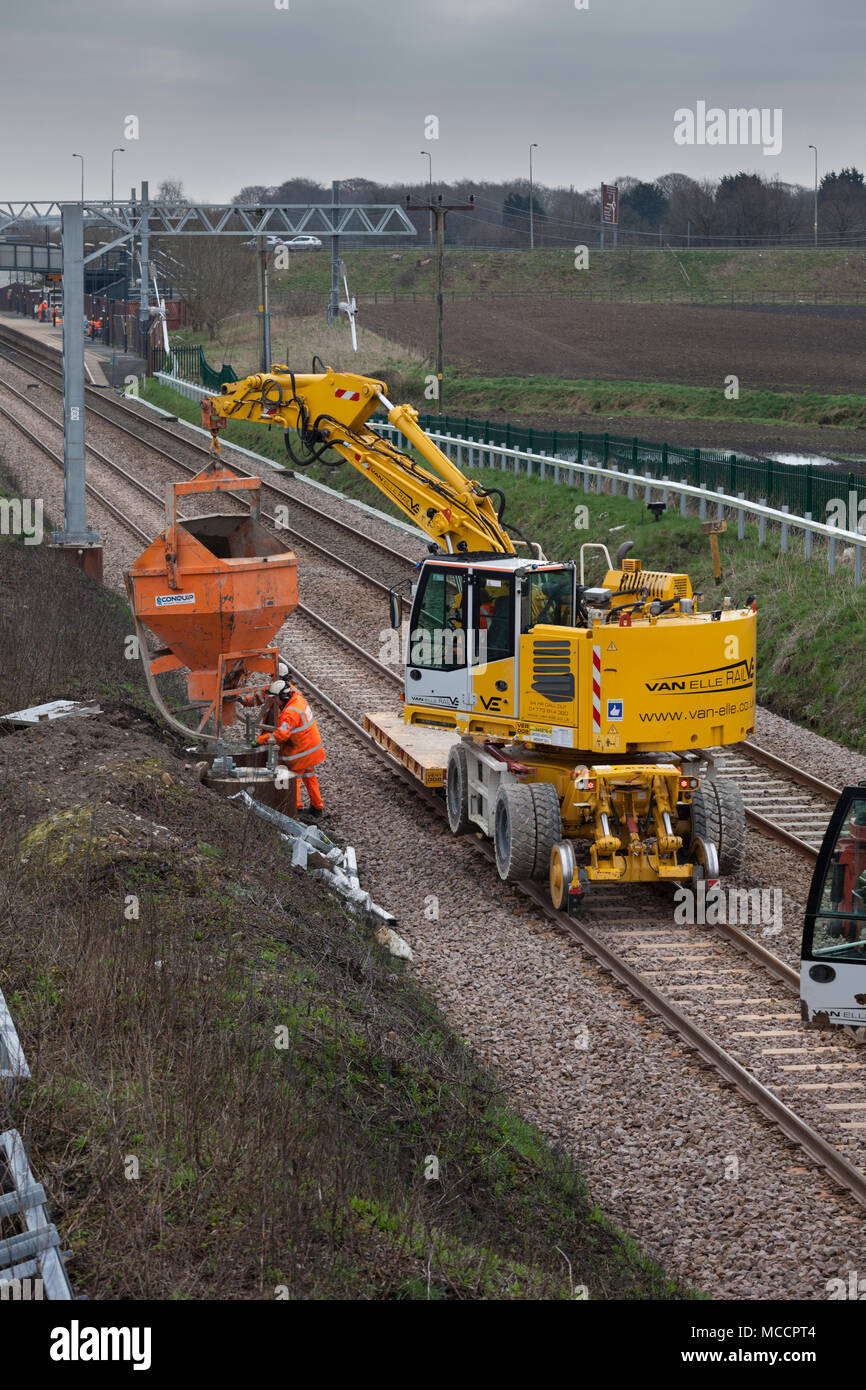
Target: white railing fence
(469, 454)
(478, 453)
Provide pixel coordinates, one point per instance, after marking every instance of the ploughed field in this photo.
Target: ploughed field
(795, 347)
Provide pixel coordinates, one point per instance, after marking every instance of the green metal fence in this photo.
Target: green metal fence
(192, 365)
(805, 489)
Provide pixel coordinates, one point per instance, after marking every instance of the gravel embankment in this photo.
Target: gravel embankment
(820, 756)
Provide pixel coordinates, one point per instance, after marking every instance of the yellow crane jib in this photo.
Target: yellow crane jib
(329, 411)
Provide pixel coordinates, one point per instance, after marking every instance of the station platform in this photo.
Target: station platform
(104, 366)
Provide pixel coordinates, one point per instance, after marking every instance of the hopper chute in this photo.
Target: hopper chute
(214, 590)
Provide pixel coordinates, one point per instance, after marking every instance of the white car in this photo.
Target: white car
(296, 243)
(304, 243)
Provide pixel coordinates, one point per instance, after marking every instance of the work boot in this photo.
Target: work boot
(315, 811)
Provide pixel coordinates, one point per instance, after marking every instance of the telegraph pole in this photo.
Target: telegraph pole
(334, 296)
(263, 305)
(533, 146)
(440, 210)
(144, 265)
(815, 218)
(430, 191)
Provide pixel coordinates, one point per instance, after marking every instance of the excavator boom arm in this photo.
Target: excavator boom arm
(330, 410)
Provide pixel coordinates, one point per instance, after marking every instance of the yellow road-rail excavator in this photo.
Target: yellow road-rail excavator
(572, 724)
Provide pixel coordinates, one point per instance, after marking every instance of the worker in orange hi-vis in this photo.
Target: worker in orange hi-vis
(301, 747)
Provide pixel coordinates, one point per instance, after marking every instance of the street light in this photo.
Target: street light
(815, 222)
(533, 146)
(430, 185)
(118, 149)
(81, 157)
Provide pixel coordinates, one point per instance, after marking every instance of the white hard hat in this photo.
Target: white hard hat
(283, 669)
(276, 687)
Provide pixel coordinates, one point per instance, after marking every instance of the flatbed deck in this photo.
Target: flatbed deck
(421, 749)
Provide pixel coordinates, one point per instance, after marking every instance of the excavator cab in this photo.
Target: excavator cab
(468, 617)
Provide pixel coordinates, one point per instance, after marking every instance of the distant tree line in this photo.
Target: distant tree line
(742, 209)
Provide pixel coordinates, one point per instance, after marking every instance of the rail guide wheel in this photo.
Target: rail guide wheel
(705, 859)
(569, 884)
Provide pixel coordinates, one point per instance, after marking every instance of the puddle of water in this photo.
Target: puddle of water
(803, 460)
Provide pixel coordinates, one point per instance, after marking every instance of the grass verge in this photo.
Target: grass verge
(547, 396)
(772, 275)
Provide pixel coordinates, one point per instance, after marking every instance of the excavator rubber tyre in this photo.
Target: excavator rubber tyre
(514, 835)
(548, 825)
(457, 790)
(718, 816)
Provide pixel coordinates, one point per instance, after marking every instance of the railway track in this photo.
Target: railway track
(781, 800)
(736, 1008)
(386, 678)
(373, 559)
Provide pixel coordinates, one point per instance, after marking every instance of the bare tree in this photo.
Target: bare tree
(694, 203)
(214, 275)
(170, 191)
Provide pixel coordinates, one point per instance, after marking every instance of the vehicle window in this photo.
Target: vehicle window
(438, 637)
(494, 617)
(840, 921)
(547, 598)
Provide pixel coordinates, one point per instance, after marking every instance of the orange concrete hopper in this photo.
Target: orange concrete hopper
(215, 590)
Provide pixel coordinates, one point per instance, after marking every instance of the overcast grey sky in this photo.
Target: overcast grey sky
(236, 92)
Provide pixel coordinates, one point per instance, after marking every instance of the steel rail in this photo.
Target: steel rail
(797, 774)
(142, 487)
(751, 751)
(94, 492)
(755, 753)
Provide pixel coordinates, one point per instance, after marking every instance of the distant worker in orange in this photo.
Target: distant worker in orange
(301, 747)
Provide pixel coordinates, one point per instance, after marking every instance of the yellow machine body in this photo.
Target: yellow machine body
(598, 695)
